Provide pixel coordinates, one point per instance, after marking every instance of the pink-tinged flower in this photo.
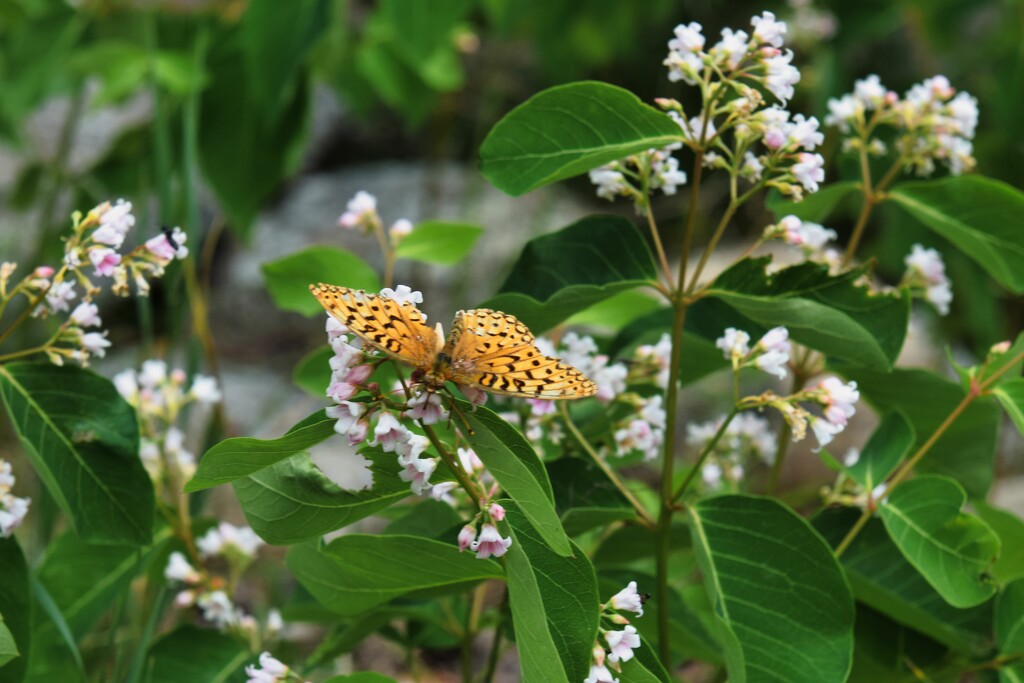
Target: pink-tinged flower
(477, 397)
(43, 271)
(684, 60)
(426, 406)
(732, 47)
(351, 420)
(599, 673)
(469, 460)
(115, 222)
(12, 513)
(803, 132)
(1001, 347)
(840, 399)
(334, 328)
(775, 339)
(339, 390)
(869, 92)
(442, 492)
(86, 314)
(752, 167)
(541, 407)
(490, 543)
(824, 430)
(179, 569)
(167, 247)
(185, 599)
(466, 537)
(403, 294)
(809, 170)
(781, 76)
(204, 389)
(734, 344)
(218, 608)
(271, 671)
(104, 260)
(773, 362)
(496, 512)
(417, 472)
(622, 643)
(628, 599)
(399, 230)
(412, 446)
(843, 112)
(926, 265)
(359, 211)
(59, 294)
(96, 343)
(388, 433)
(768, 30)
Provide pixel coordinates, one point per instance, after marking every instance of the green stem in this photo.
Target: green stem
(872, 195)
(493, 655)
(641, 511)
(460, 475)
(708, 448)
(656, 238)
(719, 231)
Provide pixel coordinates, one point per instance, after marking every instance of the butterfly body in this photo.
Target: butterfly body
(487, 350)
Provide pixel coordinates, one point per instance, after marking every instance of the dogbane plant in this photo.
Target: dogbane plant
(646, 533)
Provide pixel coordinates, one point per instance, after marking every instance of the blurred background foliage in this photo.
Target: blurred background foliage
(226, 91)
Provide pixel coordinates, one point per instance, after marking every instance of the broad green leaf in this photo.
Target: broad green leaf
(644, 667)
(8, 648)
(972, 212)
(883, 579)
(951, 549)
(1011, 397)
(288, 278)
(554, 604)
(392, 80)
(1009, 627)
(704, 324)
(568, 271)
(568, 130)
(83, 440)
(966, 451)
(247, 148)
(428, 518)
(313, 373)
(276, 38)
(190, 653)
(888, 446)
(15, 607)
(584, 497)
(356, 572)
(423, 36)
(616, 312)
(514, 464)
(783, 604)
(439, 242)
(884, 646)
(829, 313)
(1010, 530)
(235, 458)
(292, 500)
(817, 207)
(65, 640)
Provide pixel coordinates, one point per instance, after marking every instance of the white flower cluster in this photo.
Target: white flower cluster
(837, 401)
(927, 272)
(935, 123)
(489, 542)
(811, 238)
(653, 361)
(581, 352)
(270, 670)
(643, 432)
(621, 643)
(747, 437)
(770, 354)
(158, 396)
(12, 508)
(654, 169)
(361, 214)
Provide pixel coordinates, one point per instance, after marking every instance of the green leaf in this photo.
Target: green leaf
(276, 38)
(288, 278)
(247, 148)
(568, 130)
(883, 579)
(967, 449)
(616, 312)
(951, 549)
(313, 372)
(887, 447)
(1010, 530)
(609, 256)
(815, 207)
(829, 313)
(190, 653)
(884, 647)
(8, 648)
(514, 464)
(585, 497)
(356, 572)
(15, 606)
(1011, 397)
(423, 36)
(554, 604)
(66, 638)
(428, 518)
(292, 500)
(971, 212)
(439, 242)
(235, 458)
(1009, 627)
(783, 604)
(83, 440)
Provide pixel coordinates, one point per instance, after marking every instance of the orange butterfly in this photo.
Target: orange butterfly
(486, 349)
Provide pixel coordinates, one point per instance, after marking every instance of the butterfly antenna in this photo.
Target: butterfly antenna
(455, 410)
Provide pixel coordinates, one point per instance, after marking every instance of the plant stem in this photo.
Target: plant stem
(719, 231)
(691, 218)
(976, 391)
(492, 656)
(460, 474)
(641, 511)
(708, 447)
(658, 247)
(871, 197)
(786, 435)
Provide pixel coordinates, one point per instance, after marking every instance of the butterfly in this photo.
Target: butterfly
(487, 350)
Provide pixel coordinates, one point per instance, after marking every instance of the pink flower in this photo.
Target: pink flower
(599, 673)
(388, 433)
(622, 643)
(469, 460)
(426, 406)
(541, 407)
(466, 537)
(161, 246)
(809, 170)
(628, 599)
(840, 399)
(417, 472)
(334, 328)
(496, 512)
(351, 420)
(95, 343)
(490, 543)
(412, 446)
(477, 397)
(359, 211)
(104, 260)
(86, 314)
(399, 230)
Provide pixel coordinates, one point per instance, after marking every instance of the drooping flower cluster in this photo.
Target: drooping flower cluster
(271, 670)
(811, 238)
(489, 542)
(746, 438)
(770, 354)
(644, 431)
(926, 273)
(636, 177)
(934, 123)
(12, 508)
(210, 591)
(361, 214)
(833, 397)
(620, 643)
(158, 396)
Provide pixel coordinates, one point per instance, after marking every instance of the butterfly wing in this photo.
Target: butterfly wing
(399, 330)
(495, 352)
